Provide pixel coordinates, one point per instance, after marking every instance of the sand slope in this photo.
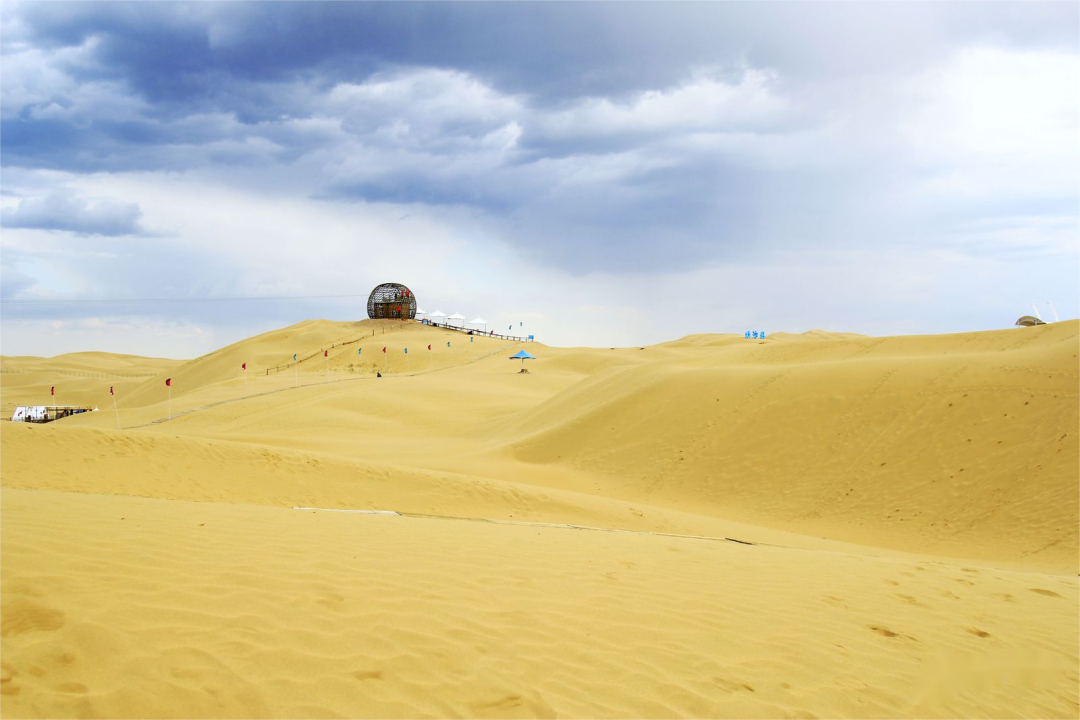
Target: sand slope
(912, 500)
(124, 607)
(961, 445)
(80, 378)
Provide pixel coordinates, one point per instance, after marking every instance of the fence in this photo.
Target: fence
(76, 373)
(479, 333)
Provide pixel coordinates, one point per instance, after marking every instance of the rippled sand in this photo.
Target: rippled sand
(825, 526)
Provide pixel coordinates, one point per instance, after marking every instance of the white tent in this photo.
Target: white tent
(457, 316)
(479, 321)
(419, 312)
(436, 316)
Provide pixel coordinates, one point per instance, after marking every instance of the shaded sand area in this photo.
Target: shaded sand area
(825, 525)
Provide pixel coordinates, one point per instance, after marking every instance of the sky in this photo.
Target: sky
(597, 174)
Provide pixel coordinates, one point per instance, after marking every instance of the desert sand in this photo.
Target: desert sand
(813, 525)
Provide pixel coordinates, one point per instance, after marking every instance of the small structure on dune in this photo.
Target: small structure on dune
(1030, 321)
(523, 356)
(48, 413)
(391, 301)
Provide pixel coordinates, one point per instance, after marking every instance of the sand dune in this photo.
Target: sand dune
(905, 442)
(912, 504)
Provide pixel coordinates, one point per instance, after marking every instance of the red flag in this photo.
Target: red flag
(428, 347)
(168, 382)
(384, 349)
(244, 366)
(399, 308)
(326, 353)
(111, 391)
(52, 390)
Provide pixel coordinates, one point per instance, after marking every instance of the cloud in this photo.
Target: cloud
(79, 215)
(288, 147)
(13, 282)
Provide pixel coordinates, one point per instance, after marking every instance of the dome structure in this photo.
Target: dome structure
(391, 301)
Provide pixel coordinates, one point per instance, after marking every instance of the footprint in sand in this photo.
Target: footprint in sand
(1047, 593)
(367, 675)
(23, 616)
(911, 599)
(732, 685)
(505, 702)
(886, 632)
(8, 686)
(977, 632)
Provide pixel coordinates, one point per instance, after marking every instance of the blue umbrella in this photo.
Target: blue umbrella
(522, 356)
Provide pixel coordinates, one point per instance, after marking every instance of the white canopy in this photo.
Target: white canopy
(420, 311)
(478, 321)
(456, 316)
(437, 313)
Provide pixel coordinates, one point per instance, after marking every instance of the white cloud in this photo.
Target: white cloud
(995, 123)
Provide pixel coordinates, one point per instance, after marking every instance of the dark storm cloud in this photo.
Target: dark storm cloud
(204, 55)
(633, 136)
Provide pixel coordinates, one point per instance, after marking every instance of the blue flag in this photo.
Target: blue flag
(471, 339)
(294, 357)
(406, 351)
(447, 343)
(359, 351)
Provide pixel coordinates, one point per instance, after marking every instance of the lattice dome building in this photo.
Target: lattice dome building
(391, 301)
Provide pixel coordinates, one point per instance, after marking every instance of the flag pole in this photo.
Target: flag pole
(114, 406)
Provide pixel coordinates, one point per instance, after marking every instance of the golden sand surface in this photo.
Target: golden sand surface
(822, 525)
